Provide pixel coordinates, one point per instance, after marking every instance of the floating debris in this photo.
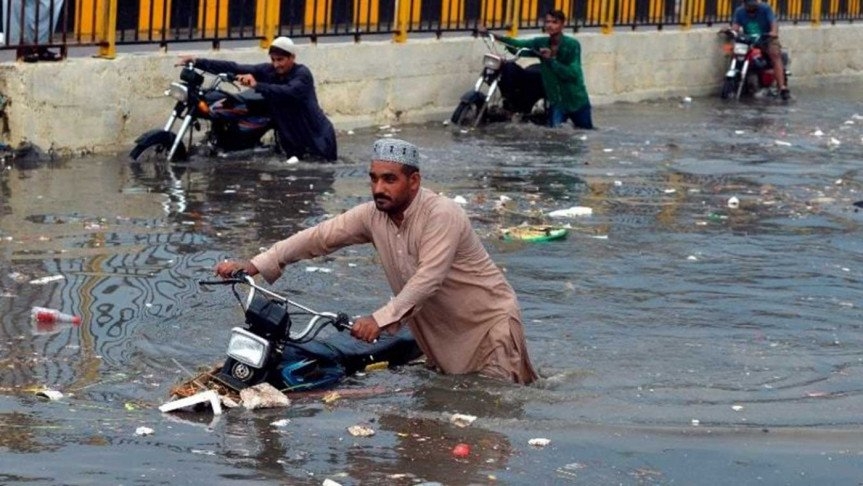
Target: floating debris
(737, 408)
(534, 234)
(331, 397)
(462, 420)
(208, 396)
(45, 280)
(461, 450)
(263, 395)
(460, 200)
(319, 270)
(361, 431)
(539, 442)
(572, 212)
(143, 431)
(783, 143)
(733, 202)
(281, 423)
(49, 394)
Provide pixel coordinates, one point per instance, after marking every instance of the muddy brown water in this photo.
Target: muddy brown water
(680, 341)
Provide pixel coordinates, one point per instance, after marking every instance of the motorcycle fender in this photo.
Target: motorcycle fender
(156, 135)
(473, 97)
(731, 73)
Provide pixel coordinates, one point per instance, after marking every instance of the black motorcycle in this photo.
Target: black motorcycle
(503, 90)
(237, 120)
(267, 349)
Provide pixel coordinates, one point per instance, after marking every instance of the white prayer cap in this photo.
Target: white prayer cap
(398, 151)
(283, 44)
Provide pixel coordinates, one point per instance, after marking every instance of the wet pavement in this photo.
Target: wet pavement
(680, 340)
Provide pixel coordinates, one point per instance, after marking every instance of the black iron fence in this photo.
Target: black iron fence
(33, 26)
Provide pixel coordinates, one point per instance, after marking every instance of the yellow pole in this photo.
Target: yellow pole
(153, 17)
(514, 6)
(626, 12)
(108, 39)
(686, 14)
(403, 19)
(816, 12)
(607, 21)
(365, 12)
(491, 12)
(318, 13)
(267, 20)
(451, 12)
(213, 17)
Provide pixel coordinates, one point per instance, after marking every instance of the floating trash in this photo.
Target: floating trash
(462, 420)
(361, 431)
(539, 442)
(534, 234)
(49, 394)
(144, 431)
(733, 202)
(461, 450)
(45, 280)
(572, 212)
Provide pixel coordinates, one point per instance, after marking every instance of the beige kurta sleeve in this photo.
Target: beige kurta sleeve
(349, 228)
(439, 241)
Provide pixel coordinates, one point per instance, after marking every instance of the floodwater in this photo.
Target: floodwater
(681, 341)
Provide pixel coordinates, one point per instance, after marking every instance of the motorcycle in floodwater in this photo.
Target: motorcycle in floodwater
(237, 120)
(267, 349)
(750, 71)
(503, 89)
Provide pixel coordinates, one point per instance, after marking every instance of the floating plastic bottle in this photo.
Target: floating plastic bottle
(49, 316)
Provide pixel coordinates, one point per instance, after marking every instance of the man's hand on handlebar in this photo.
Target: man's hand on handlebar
(246, 80)
(366, 329)
(230, 268)
(184, 60)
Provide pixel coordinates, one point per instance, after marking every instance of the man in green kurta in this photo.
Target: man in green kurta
(560, 67)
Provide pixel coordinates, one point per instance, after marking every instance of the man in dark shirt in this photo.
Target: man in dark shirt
(756, 18)
(289, 88)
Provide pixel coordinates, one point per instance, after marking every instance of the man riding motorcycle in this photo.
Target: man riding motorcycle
(303, 128)
(756, 18)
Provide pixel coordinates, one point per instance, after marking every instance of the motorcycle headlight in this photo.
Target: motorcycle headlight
(491, 61)
(178, 91)
(740, 48)
(248, 348)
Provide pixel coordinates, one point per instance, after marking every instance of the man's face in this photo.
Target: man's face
(392, 190)
(552, 25)
(751, 7)
(281, 63)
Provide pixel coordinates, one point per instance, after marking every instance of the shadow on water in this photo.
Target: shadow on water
(671, 328)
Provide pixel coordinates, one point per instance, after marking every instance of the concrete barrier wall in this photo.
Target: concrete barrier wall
(85, 105)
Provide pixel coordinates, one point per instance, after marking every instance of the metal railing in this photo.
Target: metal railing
(105, 24)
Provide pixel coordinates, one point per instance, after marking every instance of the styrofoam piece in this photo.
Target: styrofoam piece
(203, 397)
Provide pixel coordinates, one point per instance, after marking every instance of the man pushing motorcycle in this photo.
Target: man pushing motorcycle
(461, 310)
(756, 18)
(561, 71)
(289, 89)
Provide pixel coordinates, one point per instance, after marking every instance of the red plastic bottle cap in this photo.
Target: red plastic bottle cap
(461, 450)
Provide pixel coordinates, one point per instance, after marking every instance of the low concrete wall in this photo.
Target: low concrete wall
(92, 105)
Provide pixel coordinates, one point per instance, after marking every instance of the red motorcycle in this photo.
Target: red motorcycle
(750, 71)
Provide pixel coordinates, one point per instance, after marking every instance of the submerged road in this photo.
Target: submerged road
(702, 326)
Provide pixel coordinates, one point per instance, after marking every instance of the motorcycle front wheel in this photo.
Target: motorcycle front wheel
(729, 88)
(465, 113)
(155, 149)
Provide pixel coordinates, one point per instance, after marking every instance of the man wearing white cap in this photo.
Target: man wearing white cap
(290, 88)
(461, 310)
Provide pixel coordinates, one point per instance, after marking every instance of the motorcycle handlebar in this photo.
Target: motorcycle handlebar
(340, 320)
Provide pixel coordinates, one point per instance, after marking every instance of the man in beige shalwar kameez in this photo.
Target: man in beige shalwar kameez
(460, 308)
